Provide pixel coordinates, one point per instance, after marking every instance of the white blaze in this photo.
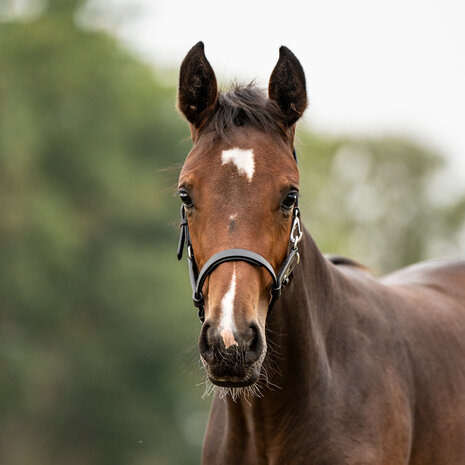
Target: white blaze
(227, 316)
(243, 159)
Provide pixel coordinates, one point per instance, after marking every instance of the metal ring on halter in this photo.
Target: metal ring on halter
(295, 239)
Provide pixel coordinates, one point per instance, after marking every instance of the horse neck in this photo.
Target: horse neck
(298, 324)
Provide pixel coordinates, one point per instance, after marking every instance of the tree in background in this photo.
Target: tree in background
(90, 323)
(373, 199)
(98, 337)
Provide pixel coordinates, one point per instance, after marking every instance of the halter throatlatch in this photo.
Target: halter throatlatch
(197, 278)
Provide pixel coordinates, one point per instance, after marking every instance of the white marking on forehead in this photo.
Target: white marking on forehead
(233, 217)
(227, 316)
(243, 159)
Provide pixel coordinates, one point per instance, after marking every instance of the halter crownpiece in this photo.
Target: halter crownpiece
(232, 255)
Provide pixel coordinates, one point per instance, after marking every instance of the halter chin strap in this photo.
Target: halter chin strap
(233, 255)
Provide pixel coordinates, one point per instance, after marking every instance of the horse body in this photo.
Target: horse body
(348, 369)
(369, 372)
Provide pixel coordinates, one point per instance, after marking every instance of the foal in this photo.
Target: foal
(348, 369)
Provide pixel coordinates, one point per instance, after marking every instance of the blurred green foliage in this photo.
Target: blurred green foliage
(92, 329)
(98, 359)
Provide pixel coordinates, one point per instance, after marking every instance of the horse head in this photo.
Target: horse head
(239, 188)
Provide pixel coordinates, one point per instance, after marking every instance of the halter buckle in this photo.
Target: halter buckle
(288, 267)
(296, 230)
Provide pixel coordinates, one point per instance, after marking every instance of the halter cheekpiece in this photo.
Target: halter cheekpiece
(197, 278)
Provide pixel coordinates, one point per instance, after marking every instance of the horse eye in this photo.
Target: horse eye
(186, 199)
(290, 200)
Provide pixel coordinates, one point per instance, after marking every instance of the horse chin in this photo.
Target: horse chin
(235, 382)
(229, 378)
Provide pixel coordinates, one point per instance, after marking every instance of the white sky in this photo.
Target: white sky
(373, 66)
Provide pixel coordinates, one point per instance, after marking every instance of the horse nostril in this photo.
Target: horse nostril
(205, 347)
(254, 344)
(252, 341)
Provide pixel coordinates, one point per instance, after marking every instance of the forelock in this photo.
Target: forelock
(245, 105)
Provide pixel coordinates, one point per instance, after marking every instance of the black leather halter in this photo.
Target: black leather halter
(197, 278)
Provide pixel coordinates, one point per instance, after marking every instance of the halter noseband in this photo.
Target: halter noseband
(232, 255)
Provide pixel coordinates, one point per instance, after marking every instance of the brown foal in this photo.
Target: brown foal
(346, 369)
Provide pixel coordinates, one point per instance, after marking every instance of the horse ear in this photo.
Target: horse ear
(287, 86)
(197, 93)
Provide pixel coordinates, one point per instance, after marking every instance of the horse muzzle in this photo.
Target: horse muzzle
(232, 359)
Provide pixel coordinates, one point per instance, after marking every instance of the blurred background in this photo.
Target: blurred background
(98, 356)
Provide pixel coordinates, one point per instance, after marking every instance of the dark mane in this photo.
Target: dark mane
(338, 260)
(246, 105)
